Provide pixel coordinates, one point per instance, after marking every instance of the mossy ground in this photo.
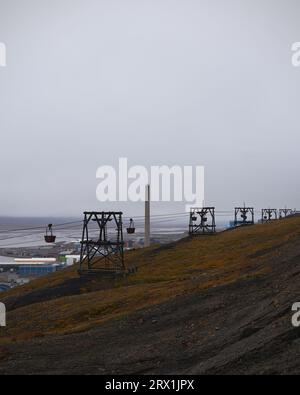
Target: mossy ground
(185, 267)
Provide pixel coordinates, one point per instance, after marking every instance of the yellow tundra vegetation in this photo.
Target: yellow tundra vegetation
(163, 273)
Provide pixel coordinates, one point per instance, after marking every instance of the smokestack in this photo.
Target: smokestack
(147, 216)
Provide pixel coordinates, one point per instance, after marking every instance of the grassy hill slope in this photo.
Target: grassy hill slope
(202, 305)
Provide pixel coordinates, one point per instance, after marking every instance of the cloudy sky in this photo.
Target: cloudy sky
(161, 82)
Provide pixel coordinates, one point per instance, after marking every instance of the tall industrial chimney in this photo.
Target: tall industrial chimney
(147, 216)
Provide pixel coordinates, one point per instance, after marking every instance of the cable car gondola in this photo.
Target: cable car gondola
(49, 237)
(131, 229)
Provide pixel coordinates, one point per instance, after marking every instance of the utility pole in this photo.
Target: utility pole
(147, 216)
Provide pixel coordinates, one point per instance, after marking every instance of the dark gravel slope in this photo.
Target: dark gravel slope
(241, 328)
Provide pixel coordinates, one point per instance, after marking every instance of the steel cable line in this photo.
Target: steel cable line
(79, 222)
(67, 226)
(77, 225)
(17, 237)
(37, 227)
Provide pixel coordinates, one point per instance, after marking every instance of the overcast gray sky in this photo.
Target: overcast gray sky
(206, 82)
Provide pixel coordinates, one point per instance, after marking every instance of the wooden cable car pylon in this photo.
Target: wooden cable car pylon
(243, 213)
(202, 221)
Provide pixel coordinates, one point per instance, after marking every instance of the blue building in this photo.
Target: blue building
(36, 270)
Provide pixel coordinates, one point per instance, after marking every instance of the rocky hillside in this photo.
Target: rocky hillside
(204, 305)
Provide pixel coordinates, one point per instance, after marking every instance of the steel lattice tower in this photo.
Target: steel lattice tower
(102, 245)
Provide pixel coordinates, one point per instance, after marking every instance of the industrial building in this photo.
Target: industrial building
(32, 267)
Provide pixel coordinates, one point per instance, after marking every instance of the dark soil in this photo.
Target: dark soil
(241, 328)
